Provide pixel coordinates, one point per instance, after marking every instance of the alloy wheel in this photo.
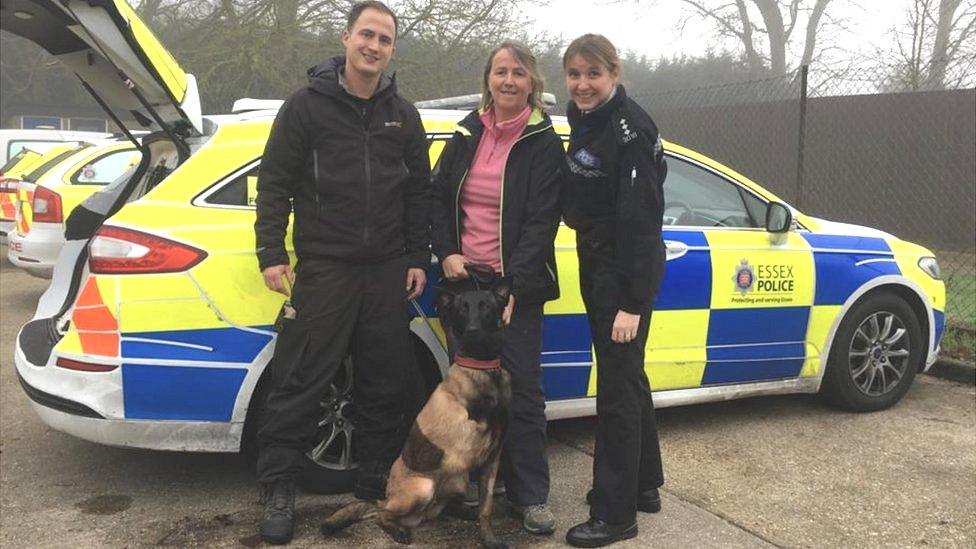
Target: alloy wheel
(879, 353)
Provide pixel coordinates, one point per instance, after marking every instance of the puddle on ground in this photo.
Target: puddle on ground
(106, 504)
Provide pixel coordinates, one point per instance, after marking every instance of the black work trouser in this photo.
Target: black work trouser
(524, 465)
(627, 456)
(342, 308)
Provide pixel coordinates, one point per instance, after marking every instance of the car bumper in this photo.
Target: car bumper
(37, 251)
(89, 406)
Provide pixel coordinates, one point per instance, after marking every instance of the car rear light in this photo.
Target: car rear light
(116, 250)
(81, 366)
(46, 207)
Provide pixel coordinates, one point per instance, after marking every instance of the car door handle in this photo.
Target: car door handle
(675, 249)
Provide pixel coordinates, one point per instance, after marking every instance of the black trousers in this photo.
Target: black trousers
(627, 456)
(524, 465)
(342, 307)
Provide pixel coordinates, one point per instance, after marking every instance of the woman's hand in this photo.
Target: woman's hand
(624, 327)
(453, 266)
(507, 312)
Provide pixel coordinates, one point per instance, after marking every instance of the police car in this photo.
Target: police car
(156, 331)
(44, 199)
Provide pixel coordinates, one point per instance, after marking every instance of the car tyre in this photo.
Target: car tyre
(875, 354)
(329, 466)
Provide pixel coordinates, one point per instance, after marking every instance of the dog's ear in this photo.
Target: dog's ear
(445, 300)
(502, 289)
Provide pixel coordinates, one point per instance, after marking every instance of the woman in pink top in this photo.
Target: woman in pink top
(497, 188)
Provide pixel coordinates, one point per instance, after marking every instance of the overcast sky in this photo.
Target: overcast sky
(652, 27)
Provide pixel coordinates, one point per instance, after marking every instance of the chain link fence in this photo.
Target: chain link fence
(843, 148)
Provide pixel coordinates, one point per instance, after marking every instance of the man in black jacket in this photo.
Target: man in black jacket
(350, 156)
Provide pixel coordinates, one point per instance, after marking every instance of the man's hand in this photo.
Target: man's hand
(279, 278)
(416, 280)
(624, 327)
(453, 266)
(507, 313)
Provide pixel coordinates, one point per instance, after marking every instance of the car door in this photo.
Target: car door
(735, 300)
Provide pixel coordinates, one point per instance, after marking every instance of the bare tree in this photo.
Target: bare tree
(935, 47)
(766, 40)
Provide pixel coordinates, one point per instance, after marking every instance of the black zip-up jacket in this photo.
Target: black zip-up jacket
(355, 170)
(531, 187)
(615, 195)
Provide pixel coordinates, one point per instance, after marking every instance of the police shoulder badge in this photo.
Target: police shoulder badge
(622, 128)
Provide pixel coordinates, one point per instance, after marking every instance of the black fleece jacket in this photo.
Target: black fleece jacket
(355, 170)
(532, 185)
(615, 195)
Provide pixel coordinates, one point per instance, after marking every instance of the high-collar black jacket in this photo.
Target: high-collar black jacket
(615, 195)
(529, 217)
(356, 171)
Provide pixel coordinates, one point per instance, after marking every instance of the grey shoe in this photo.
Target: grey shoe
(536, 519)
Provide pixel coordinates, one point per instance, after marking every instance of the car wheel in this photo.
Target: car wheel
(330, 466)
(874, 355)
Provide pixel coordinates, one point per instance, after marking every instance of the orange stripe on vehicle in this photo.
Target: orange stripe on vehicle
(97, 328)
(99, 344)
(8, 211)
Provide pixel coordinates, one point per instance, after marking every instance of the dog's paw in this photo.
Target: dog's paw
(400, 535)
(461, 511)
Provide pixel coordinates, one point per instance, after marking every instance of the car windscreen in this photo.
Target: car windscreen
(43, 168)
(13, 161)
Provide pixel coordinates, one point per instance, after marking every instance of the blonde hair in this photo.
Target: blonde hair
(523, 55)
(596, 49)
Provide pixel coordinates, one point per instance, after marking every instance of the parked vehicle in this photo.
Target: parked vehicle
(44, 201)
(10, 174)
(12, 141)
(156, 331)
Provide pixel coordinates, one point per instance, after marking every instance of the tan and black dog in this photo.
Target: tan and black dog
(459, 430)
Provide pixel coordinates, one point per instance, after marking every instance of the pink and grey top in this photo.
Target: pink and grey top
(482, 191)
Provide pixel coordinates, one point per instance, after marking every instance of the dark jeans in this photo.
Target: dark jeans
(627, 456)
(524, 465)
(342, 308)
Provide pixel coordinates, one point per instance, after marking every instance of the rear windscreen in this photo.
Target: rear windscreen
(43, 168)
(13, 161)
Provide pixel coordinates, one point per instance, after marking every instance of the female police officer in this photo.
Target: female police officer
(615, 202)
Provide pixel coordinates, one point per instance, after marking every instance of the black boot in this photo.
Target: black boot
(648, 501)
(278, 524)
(597, 533)
(371, 484)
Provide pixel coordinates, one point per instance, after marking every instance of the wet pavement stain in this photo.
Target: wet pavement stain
(106, 504)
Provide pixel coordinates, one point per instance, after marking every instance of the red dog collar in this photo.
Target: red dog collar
(475, 364)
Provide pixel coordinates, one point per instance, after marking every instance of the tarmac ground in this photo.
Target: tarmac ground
(773, 471)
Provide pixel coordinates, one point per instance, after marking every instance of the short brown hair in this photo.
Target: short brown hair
(524, 55)
(596, 49)
(359, 7)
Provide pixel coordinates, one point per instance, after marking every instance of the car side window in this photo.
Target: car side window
(105, 169)
(696, 197)
(240, 191)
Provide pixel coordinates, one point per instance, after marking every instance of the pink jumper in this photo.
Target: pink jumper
(482, 191)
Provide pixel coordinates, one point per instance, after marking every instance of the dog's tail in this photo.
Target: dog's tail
(348, 515)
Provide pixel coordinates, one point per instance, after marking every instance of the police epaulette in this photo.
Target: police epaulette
(622, 128)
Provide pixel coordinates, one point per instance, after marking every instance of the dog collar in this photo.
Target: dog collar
(475, 364)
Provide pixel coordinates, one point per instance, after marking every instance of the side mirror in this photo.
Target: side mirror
(779, 218)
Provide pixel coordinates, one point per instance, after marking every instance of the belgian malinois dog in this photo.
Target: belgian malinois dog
(459, 430)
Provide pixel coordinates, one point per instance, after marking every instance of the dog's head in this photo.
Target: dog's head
(472, 311)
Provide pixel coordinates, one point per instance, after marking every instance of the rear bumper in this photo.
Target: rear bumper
(37, 251)
(90, 406)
